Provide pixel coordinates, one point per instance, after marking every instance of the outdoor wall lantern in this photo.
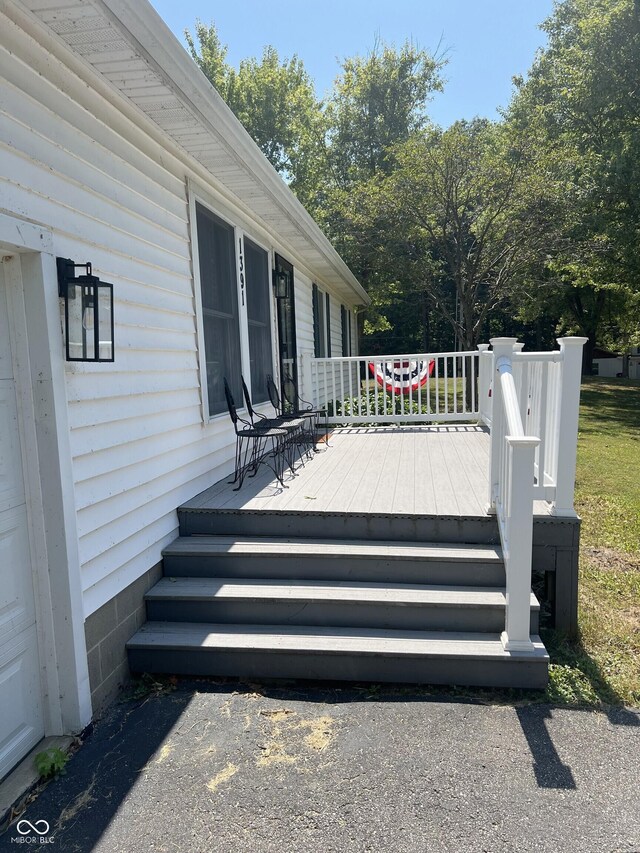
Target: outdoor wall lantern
(88, 313)
(281, 284)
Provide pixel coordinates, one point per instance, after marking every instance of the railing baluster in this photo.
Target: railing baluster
(542, 415)
(392, 396)
(458, 388)
(473, 362)
(384, 386)
(445, 372)
(464, 383)
(326, 385)
(375, 389)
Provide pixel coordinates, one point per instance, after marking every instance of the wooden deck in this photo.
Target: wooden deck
(408, 470)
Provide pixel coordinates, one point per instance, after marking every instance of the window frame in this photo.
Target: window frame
(321, 309)
(198, 196)
(272, 323)
(328, 323)
(347, 341)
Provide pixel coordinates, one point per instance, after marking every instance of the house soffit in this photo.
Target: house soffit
(197, 121)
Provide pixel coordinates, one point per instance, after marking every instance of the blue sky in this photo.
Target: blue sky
(486, 41)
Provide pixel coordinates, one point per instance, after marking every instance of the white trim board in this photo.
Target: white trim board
(32, 297)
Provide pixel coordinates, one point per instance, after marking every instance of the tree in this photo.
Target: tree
(581, 104)
(378, 101)
(275, 100)
(465, 195)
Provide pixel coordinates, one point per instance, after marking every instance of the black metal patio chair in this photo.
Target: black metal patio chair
(294, 427)
(303, 436)
(259, 445)
(303, 408)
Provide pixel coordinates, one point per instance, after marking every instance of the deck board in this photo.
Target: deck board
(447, 482)
(397, 470)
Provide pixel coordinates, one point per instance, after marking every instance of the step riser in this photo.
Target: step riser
(339, 526)
(338, 614)
(344, 667)
(362, 569)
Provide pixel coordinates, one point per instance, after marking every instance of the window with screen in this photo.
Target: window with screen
(328, 318)
(345, 316)
(259, 318)
(319, 347)
(321, 323)
(218, 282)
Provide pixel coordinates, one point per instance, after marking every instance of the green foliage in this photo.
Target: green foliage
(148, 685)
(210, 55)
(51, 763)
(581, 106)
(463, 194)
(274, 100)
(378, 101)
(372, 403)
(530, 225)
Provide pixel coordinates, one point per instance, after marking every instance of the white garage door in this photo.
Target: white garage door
(21, 717)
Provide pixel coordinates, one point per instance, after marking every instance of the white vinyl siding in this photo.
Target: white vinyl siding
(328, 327)
(81, 161)
(304, 313)
(137, 437)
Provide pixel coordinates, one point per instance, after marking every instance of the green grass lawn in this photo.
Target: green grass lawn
(604, 664)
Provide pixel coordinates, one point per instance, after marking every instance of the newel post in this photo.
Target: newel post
(516, 636)
(568, 402)
(521, 377)
(502, 348)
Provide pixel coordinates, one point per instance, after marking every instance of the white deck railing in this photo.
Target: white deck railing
(384, 389)
(511, 465)
(534, 432)
(529, 401)
(548, 391)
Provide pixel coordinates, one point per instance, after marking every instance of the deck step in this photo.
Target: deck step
(202, 520)
(285, 651)
(334, 559)
(336, 603)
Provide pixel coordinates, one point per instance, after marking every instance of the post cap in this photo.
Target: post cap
(572, 341)
(503, 341)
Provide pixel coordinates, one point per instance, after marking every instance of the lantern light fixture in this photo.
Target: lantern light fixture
(281, 284)
(88, 313)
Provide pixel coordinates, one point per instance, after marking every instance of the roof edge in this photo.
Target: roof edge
(163, 49)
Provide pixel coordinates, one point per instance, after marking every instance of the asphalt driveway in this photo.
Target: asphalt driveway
(222, 767)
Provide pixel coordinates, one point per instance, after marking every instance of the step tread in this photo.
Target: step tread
(230, 589)
(336, 548)
(331, 640)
